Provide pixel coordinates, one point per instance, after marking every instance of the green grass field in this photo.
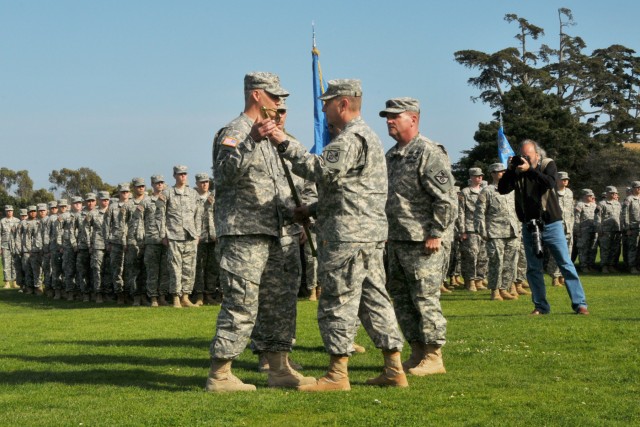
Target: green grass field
(72, 364)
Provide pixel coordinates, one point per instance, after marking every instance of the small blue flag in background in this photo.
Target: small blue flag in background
(320, 129)
(504, 148)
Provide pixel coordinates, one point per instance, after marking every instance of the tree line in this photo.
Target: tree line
(581, 107)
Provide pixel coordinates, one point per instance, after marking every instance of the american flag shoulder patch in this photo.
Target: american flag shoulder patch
(230, 142)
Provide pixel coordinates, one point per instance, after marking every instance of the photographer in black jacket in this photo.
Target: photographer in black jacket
(533, 177)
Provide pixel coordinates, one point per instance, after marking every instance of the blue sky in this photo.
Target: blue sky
(130, 88)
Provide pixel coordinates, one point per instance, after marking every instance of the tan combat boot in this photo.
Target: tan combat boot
(38, 291)
(263, 362)
(281, 374)
(459, 280)
(480, 285)
(312, 295)
(295, 365)
(99, 299)
(470, 285)
(520, 290)
(221, 379)
(506, 295)
(431, 363)
(392, 375)
(555, 282)
(162, 301)
(176, 302)
(185, 301)
(7, 285)
(154, 301)
(444, 290)
(199, 300)
(358, 348)
(86, 298)
(495, 295)
(513, 290)
(336, 378)
(561, 279)
(417, 353)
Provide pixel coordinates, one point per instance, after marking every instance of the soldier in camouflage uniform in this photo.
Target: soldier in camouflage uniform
(496, 222)
(207, 268)
(351, 178)
(100, 273)
(420, 208)
(56, 248)
(585, 212)
(46, 248)
(16, 238)
(607, 221)
(631, 225)
(135, 274)
(565, 198)
(7, 225)
(115, 235)
(625, 237)
(27, 230)
(248, 221)
(37, 248)
(70, 247)
(83, 240)
(470, 240)
(155, 253)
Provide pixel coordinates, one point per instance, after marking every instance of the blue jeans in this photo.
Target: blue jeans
(553, 238)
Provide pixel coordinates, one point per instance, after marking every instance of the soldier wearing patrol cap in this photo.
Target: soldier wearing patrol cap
(585, 212)
(100, 274)
(7, 225)
(248, 220)
(631, 226)
(155, 253)
(471, 243)
(70, 247)
(351, 178)
(207, 269)
(27, 229)
(565, 199)
(421, 209)
(37, 248)
(115, 235)
(56, 248)
(607, 223)
(82, 231)
(46, 249)
(135, 273)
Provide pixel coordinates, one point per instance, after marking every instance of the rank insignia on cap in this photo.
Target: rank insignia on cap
(333, 156)
(230, 142)
(442, 177)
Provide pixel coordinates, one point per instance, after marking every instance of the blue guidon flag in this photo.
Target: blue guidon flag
(504, 148)
(320, 129)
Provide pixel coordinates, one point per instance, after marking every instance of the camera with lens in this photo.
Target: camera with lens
(519, 160)
(535, 227)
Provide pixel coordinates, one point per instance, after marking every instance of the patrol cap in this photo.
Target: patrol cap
(635, 184)
(497, 167)
(262, 80)
(563, 175)
(8, 208)
(42, 207)
(179, 169)
(156, 179)
(611, 189)
(203, 176)
(23, 212)
(138, 182)
(62, 202)
(53, 204)
(124, 186)
(31, 208)
(475, 172)
(89, 196)
(587, 192)
(76, 199)
(104, 195)
(342, 87)
(400, 105)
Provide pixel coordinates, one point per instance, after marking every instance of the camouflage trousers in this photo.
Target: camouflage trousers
(587, 248)
(633, 239)
(83, 271)
(292, 266)
(414, 285)
(100, 271)
(483, 260)
(17, 262)
(552, 268)
(455, 263)
(503, 262)
(56, 269)
(447, 245)
(69, 269)
(35, 263)
(521, 270)
(155, 261)
(134, 272)
(46, 269)
(625, 248)
(207, 269)
(252, 275)
(8, 265)
(182, 266)
(311, 264)
(610, 247)
(470, 253)
(353, 287)
(27, 272)
(116, 259)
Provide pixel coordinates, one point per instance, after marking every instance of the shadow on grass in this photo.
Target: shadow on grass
(198, 343)
(107, 359)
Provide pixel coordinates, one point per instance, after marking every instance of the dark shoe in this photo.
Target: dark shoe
(537, 312)
(582, 310)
